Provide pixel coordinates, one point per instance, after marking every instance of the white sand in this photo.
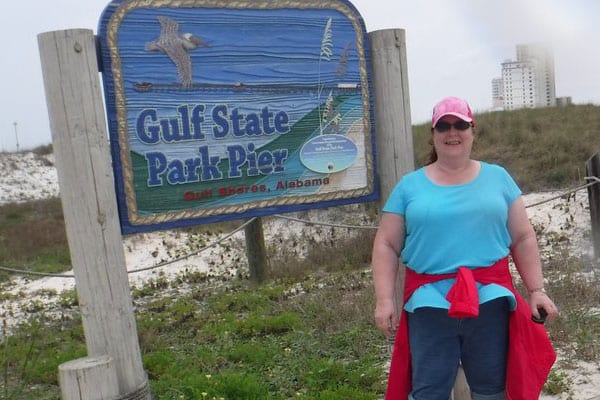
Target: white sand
(25, 177)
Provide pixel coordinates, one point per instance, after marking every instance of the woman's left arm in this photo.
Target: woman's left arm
(525, 253)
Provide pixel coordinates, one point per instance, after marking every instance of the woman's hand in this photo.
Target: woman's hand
(385, 317)
(539, 299)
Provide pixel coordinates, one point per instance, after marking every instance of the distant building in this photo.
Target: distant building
(497, 93)
(527, 82)
(564, 101)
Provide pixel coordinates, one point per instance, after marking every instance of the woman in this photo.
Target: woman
(454, 222)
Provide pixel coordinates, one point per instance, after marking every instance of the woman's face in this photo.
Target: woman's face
(454, 142)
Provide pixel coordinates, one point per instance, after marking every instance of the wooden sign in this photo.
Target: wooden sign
(231, 109)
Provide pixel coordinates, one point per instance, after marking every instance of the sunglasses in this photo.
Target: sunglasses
(459, 125)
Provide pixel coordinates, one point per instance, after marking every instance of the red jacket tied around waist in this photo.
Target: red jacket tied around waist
(530, 353)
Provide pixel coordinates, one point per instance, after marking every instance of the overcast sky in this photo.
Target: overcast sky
(454, 47)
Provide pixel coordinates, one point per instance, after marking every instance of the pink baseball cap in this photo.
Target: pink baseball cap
(452, 106)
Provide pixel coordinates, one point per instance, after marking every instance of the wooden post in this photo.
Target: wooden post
(592, 168)
(255, 250)
(86, 181)
(89, 378)
(394, 141)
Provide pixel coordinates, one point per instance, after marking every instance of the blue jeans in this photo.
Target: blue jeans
(439, 342)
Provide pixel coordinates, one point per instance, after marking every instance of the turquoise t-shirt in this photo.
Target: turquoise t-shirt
(447, 227)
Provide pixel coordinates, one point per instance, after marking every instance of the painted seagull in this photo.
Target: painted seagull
(176, 47)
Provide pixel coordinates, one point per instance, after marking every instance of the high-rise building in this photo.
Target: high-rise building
(527, 82)
(497, 93)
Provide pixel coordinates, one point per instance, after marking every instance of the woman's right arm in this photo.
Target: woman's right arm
(388, 243)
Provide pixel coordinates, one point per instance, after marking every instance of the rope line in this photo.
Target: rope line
(162, 264)
(594, 179)
(47, 274)
(185, 257)
(325, 223)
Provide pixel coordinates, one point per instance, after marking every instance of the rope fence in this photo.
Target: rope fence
(578, 188)
(594, 180)
(310, 223)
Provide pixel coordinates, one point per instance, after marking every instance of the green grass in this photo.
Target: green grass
(237, 341)
(33, 234)
(247, 341)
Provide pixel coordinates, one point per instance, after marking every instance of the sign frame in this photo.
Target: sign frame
(133, 221)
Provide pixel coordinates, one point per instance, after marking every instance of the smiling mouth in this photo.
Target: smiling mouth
(453, 142)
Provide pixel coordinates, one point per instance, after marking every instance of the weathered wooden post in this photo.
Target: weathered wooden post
(255, 250)
(394, 143)
(395, 152)
(89, 378)
(80, 141)
(393, 129)
(592, 168)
